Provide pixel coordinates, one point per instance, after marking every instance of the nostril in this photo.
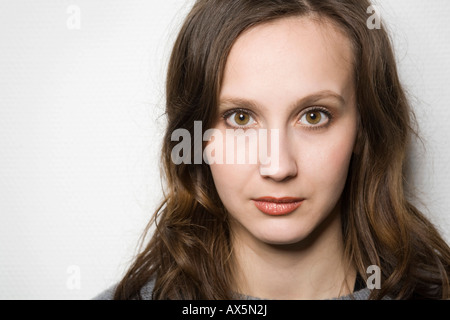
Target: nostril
(280, 172)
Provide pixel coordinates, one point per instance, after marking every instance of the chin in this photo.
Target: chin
(284, 237)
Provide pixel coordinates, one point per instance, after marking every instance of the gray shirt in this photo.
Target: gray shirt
(147, 290)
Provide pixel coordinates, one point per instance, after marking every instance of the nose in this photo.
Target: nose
(283, 162)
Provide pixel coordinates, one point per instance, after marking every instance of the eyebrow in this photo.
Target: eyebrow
(311, 98)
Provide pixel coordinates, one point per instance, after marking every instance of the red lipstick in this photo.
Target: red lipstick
(277, 206)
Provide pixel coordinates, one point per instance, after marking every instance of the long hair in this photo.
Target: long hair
(190, 255)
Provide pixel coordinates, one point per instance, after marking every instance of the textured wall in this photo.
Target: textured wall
(81, 92)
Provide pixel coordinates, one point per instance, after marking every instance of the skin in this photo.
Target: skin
(276, 74)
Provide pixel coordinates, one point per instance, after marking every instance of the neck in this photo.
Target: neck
(311, 269)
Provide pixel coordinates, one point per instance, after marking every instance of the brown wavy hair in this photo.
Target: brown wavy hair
(189, 253)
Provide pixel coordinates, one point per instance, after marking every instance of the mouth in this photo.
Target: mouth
(277, 206)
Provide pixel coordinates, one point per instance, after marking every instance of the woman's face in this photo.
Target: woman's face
(296, 76)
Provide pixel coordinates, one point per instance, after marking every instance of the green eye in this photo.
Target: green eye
(241, 118)
(315, 118)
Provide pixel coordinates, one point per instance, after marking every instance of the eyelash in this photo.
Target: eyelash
(226, 115)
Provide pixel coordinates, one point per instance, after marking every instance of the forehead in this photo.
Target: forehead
(297, 55)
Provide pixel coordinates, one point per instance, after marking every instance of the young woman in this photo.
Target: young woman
(333, 208)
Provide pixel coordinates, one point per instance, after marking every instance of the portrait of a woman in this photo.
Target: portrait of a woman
(337, 202)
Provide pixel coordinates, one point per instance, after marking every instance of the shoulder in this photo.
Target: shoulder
(362, 294)
(146, 292)
(108, 294)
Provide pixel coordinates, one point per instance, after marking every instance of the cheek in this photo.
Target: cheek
(230, 180)
(235, 164)
(327, 164)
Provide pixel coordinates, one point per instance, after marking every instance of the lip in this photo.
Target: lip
(277, 206)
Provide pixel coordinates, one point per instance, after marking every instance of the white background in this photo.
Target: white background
(81, 124)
